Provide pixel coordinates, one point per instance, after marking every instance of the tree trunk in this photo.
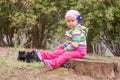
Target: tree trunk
(89, 40)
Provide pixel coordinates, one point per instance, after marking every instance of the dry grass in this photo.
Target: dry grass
(11, 69)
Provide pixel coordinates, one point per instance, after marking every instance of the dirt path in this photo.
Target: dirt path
(11, 69)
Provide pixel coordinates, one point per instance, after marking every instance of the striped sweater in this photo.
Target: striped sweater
(76, 38)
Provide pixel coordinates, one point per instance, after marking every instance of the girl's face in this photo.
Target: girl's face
(71, 22)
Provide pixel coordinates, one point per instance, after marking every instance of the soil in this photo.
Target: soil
(41, 73)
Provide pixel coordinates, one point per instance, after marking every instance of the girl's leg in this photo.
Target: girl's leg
(63, 58)
(48, 55)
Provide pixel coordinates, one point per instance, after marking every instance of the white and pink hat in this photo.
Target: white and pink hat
(75, 14)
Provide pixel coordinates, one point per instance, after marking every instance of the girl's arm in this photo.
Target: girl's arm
(76, 38)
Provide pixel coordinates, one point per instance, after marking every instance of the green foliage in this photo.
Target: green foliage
(103, 18)
(39, 20)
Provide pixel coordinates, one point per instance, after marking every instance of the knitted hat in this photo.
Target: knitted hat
(75, 14)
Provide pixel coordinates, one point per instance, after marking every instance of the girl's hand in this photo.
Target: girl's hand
(61, 47)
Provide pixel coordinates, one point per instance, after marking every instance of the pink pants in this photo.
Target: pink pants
(60, 56)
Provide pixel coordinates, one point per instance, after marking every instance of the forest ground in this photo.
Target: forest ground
(11, 69)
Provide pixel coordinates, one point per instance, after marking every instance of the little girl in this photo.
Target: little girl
(74, 47)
